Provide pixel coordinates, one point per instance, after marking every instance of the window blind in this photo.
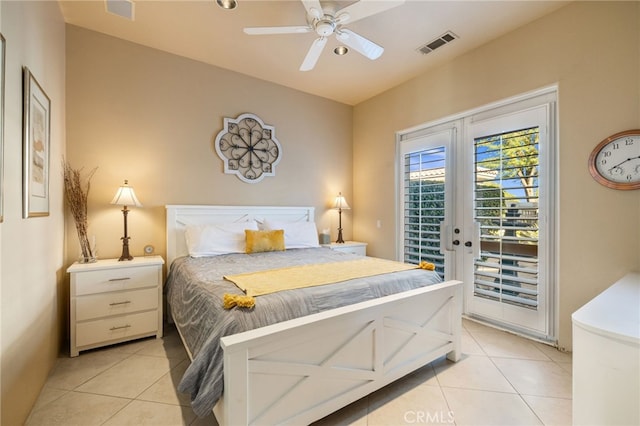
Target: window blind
(506, 206)
(424, 206)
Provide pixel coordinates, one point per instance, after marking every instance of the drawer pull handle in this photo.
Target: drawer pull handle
(119, 328)
(119, 279)
(120, 303)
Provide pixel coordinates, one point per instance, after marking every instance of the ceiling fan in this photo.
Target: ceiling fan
(327, 21)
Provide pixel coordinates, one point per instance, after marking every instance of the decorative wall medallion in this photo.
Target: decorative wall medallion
(248, 148)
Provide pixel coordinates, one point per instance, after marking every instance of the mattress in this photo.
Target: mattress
(195, 289)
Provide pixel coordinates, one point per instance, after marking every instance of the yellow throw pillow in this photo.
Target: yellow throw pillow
(261, 241)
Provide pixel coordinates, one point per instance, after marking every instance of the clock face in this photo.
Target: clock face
(615, 162)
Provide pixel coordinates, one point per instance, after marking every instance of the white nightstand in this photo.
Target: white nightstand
(353, 247)
(112, 301)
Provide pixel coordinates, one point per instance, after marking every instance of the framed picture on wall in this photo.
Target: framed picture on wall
(36, 134)
(2, 56)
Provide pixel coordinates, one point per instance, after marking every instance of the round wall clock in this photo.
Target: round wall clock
(615, 162)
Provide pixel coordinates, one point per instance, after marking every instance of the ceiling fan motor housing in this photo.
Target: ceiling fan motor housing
(325, 26)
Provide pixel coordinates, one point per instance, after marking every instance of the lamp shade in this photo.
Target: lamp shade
(341, 203)
(126, 197)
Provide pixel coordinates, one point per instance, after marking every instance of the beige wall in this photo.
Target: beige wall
(592, 50)
(31, 263)
(151, 117)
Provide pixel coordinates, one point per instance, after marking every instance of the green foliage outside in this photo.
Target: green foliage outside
(427, 198)
(514, 156)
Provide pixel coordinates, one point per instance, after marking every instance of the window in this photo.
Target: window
(424, 202)
(506, 206)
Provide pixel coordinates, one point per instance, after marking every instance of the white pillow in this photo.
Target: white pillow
(216, 239)
(296, 234)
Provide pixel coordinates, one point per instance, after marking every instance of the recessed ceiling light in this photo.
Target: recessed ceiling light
(341, 50)
(227, 4)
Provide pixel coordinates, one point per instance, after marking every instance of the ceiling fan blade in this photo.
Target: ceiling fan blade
(313, 54)
(277, 30)
(360, 44)
(365, 8)
(313, 7)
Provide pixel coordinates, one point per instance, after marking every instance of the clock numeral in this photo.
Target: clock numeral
(606, 153)
(615, 145)
(629, 177)
(628, 141)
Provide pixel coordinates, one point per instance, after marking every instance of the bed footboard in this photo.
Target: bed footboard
(301, 370)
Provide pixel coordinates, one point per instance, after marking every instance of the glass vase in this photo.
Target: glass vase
(88, 252)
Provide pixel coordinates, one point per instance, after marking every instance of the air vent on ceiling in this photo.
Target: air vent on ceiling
(445, 38)
(124, 8)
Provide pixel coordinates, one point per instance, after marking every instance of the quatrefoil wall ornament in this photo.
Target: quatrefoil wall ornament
(248, 148)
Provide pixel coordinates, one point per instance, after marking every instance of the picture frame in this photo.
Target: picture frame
(36, 147)
(2, 67)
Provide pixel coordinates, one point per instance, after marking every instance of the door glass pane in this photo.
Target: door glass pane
(506, 207)
(424, 204)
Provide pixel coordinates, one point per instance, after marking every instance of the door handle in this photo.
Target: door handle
(468, 244)
(456, 242)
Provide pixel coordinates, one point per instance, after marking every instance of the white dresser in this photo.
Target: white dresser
(606, 356)
(112, 301)
(353, 247)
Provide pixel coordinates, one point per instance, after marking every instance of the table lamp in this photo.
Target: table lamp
(125, 197)
(340, 204)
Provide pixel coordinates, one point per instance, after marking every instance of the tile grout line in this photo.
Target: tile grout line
(118, 411)
(509, 381)
(516, 389)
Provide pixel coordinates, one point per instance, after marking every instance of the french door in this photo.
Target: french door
(476, 200)
(426, 194)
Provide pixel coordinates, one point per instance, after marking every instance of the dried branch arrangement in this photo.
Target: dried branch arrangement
(76, 189)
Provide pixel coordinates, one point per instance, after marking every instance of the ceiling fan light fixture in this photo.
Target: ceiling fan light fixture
(227, 4)
(325, 28)
(341, 50)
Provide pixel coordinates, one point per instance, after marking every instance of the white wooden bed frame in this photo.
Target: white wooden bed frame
(301, 370)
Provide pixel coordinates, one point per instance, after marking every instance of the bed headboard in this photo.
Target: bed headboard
(179, 216)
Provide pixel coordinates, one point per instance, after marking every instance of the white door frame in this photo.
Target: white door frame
(550, 182)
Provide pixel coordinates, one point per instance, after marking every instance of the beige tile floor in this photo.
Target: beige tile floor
(501, 379)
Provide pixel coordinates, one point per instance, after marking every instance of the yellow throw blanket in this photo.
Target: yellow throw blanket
(271, 281)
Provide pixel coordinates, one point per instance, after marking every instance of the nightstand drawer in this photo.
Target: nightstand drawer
(116, 328)
(115, 303)
(351, 247)
(360, 250)
(104, 280)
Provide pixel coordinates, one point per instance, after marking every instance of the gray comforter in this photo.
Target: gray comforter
(195, 290)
